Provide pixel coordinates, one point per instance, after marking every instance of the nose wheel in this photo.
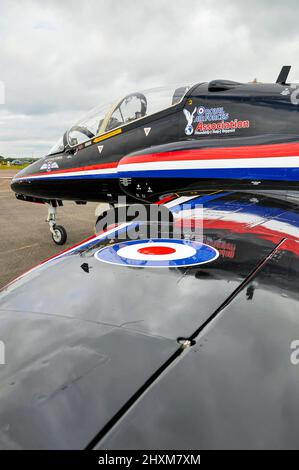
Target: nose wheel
(59, 235)
(58, 232)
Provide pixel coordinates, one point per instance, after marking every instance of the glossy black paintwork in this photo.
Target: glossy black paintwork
(164, 128)
(236, 388)
(80, 343)
(270, 112)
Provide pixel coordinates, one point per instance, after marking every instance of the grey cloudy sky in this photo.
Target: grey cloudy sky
(60, 58)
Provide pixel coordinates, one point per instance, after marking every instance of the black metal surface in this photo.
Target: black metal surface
(267, 107)
(236, 388)
(283, 74)
(80, 343)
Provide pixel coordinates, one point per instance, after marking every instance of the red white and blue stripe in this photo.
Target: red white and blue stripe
(266, 162)
(263, 162)
(103, 170)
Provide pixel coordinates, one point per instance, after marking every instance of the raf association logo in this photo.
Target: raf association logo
(189, 117)
(48, 166)
(212, 121)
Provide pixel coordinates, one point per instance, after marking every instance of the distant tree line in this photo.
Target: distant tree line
(15, 161)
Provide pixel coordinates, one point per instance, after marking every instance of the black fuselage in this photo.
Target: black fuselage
(151, 156)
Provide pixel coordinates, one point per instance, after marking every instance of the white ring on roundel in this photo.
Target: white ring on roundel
(181, 252)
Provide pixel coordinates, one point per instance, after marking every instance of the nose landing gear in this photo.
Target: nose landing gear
(59, 234)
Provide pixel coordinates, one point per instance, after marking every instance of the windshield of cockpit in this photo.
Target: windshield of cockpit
(119, 113)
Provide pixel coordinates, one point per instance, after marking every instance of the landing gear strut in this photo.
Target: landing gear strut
(59, 235)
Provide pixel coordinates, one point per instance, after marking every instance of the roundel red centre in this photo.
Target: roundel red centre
(156, 250)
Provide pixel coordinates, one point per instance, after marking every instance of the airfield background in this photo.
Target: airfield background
(24, 235)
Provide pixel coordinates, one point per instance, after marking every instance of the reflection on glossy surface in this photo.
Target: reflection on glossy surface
(236, 388)
(64, 379)
(154, 301)
(80, 342)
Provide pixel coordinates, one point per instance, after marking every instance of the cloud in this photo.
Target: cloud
(59, 59)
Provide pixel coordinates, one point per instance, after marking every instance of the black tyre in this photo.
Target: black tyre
(59, 236)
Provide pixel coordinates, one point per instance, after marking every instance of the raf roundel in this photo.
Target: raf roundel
(157, 253)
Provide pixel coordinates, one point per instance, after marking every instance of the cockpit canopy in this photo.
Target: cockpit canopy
(119, 113)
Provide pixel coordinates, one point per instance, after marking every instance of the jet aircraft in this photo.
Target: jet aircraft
(216, 135)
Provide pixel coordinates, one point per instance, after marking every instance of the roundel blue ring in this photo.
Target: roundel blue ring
(203, 254)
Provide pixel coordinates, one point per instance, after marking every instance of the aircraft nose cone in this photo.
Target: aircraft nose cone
(31, 185)
(14, 185)
(21, 183)
(16, 182)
